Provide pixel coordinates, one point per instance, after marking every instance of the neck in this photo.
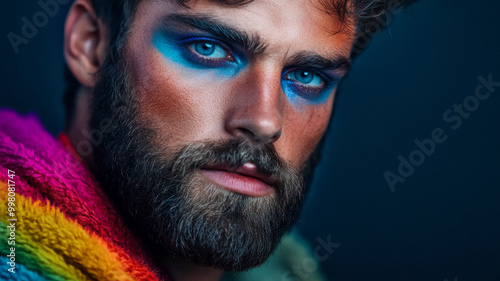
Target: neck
(185, 271)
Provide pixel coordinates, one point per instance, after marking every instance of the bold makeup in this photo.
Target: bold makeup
(303, 86)
(198, 53)
(202, 49)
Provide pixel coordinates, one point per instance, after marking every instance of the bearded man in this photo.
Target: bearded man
(192, 131)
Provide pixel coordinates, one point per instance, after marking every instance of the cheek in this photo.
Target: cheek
(178, 105)
(302, 130)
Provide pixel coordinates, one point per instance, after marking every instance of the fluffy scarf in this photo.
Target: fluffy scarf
(55, 222)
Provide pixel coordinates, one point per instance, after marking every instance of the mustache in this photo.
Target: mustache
(232, 154)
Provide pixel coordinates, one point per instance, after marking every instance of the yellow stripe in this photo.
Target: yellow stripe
(61, 245)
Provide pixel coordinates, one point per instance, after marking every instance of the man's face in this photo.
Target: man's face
(219, 110)
(199, 85)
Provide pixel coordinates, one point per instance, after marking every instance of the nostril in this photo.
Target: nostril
(248, 134)
(275, 137)
(258, 136)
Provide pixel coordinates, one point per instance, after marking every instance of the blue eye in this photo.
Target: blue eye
(309, 84)
(306, 77)
(209, 49)
(193, 52)
(207, 52)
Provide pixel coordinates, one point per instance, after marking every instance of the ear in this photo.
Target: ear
(84, 42)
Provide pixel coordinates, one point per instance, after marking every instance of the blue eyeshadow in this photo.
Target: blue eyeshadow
(174, 46)
(176, 50)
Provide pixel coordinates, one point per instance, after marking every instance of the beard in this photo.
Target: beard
(165, 199)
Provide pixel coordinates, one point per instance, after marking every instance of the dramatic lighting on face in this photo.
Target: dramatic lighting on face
(213, 147)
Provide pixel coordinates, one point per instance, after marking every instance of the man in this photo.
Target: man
(201, 122)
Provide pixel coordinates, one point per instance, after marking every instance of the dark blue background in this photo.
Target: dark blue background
(444, 220)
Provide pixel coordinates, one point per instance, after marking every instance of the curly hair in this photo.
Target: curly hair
(368, 16)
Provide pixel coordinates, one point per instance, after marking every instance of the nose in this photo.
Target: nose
(255, 113)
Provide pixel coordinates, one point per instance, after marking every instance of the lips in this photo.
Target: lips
(246, 180)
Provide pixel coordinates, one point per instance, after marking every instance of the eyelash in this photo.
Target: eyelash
(194, 57)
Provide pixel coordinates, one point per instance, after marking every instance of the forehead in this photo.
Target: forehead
(284, 26)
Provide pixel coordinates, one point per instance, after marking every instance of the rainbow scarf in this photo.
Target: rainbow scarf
(61, 225)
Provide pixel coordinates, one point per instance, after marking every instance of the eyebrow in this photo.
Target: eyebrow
(308, 59)
(252, 44)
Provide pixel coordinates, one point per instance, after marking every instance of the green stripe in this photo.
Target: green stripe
(36, 258)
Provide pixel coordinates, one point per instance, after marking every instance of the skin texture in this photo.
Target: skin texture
(250, 105)
(185, 103)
